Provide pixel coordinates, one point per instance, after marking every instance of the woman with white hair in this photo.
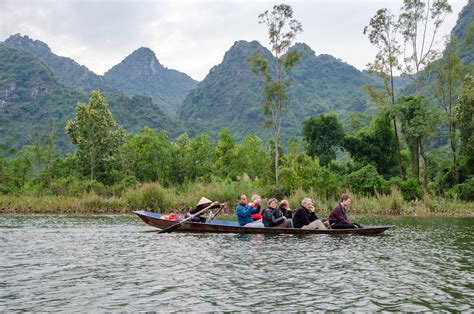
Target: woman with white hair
(305, 217)
(273, 217)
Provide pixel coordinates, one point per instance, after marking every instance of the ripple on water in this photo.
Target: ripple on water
(67, 263)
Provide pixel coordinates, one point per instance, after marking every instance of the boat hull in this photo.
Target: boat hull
(220, 226)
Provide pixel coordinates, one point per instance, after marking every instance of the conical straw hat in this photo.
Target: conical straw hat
(204, 201)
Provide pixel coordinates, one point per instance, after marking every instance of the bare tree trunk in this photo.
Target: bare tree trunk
(425, 163)
(400, 165)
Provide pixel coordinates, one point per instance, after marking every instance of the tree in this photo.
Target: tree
(323, 135)
(416, 21)
(419, 121)
(374, 144)
(282, 31)
(382, 32)
(93, 131)
(465, 121)
(227, 155)
(447, 74)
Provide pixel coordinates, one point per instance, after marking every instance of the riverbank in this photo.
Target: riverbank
(94, 204)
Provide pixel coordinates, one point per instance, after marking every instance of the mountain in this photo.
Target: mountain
(231, 95)
(141, 73)
(68, 71)
(464, 31)
(34, 103)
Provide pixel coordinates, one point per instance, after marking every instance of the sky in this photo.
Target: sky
(191, 36)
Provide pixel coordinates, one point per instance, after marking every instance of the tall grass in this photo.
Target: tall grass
(154, 197)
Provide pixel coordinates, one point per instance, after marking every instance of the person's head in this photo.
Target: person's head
(272, 203)
(284, 204)
(256, 198)
(242, 198)
(307, 203)
(345, 200)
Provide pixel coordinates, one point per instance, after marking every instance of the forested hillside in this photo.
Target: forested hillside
(231, 95)
(142, 74)
(34, 104)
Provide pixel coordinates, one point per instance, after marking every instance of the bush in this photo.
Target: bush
(366, 180)
(411, 189)
(463, 191)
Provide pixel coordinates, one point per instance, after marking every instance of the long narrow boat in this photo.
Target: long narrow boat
(222, 226)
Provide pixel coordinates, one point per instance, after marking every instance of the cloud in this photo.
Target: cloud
(190, 36)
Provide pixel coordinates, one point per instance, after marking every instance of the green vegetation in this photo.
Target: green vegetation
(143, 167)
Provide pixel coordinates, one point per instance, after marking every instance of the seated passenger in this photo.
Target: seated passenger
(338, 218)
(285, 209)
(256, 199)
(305, 217)
(273, 217)
(244, 212)
(203, 203)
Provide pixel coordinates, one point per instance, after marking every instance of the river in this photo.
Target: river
(117, 263)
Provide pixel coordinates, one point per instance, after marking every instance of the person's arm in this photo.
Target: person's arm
(245, 210)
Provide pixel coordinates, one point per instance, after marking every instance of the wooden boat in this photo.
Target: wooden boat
(222, 226)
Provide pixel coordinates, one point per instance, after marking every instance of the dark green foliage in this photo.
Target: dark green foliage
(411, 189)
(464, 191)
(231, 95)
(323, 136)
(465, 120)
(32, 101)
(374, 144)
(365, 181)
(141, 73)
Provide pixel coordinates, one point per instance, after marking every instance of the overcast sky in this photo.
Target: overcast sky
(189, 36)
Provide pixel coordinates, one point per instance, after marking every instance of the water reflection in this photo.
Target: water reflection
(115, 263)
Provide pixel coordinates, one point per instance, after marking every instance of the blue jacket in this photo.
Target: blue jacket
(243, 213)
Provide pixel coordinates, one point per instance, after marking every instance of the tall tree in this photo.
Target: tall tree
(419, 121)
(323, 135)
(465, 120)
(447, 73)
(282, 31)
(419, 23)
(383, 30)
(93, 131)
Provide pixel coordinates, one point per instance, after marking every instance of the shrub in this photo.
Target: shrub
(463, 191)
(366, 180)
(411, 189)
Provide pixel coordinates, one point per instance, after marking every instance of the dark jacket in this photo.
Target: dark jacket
(243, 213)
(303, 217)
(286, 213)
(272, 217)
(339, 215)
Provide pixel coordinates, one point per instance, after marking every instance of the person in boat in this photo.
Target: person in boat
(285, 209)
(273, 217)
(203, 203)
(305, 217)
(244, 212)
(338, 217)
(256, 200)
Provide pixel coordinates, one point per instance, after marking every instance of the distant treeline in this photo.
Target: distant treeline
(325, 162)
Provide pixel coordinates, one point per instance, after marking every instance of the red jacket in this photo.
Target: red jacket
(258, 215)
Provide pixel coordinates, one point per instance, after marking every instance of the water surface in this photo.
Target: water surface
(117, 263)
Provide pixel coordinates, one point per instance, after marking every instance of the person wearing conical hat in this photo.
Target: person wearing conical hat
(203, 203)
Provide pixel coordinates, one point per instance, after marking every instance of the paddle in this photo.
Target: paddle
(177, 225)
(214, 215)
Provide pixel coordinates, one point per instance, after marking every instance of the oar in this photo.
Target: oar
(177, 225)
(214, 215)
